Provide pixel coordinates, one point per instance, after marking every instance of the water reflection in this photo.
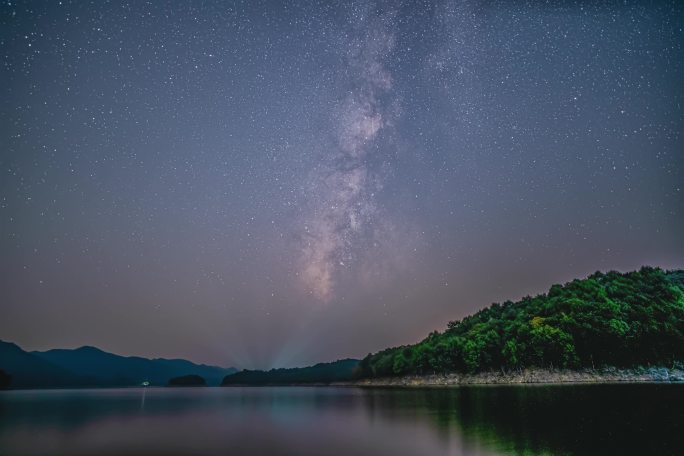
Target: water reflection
(620, 419)
(593, 419)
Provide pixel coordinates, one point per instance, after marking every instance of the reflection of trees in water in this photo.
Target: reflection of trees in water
(590, 419)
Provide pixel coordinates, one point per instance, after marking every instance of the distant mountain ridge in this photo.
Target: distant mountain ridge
(30, 371)
(90, 366)
(321, 373)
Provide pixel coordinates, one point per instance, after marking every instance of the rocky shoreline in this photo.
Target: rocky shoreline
(534, 376)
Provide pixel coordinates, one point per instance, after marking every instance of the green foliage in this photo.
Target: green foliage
(616, 319)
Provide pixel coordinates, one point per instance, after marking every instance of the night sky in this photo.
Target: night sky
(276, 183)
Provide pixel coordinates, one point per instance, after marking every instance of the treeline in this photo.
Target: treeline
(611, 319)
(337, 371)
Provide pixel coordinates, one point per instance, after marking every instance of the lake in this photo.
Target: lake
(554, 420)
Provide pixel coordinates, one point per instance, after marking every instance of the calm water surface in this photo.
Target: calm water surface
(556, 420)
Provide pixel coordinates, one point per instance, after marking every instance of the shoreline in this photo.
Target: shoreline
(531, 377)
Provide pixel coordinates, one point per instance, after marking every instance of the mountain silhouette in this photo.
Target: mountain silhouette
(90, 366)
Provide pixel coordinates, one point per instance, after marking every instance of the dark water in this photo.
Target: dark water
(556, 420)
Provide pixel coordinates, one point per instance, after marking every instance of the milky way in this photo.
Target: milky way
(343, 188)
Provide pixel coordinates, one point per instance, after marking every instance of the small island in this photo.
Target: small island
(188, 380)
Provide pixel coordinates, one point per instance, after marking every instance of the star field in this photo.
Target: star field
(277, 183)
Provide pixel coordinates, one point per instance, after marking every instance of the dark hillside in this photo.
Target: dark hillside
(337, 371)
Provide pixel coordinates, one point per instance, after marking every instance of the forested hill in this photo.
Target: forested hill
(337, 371)
(612, 319)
